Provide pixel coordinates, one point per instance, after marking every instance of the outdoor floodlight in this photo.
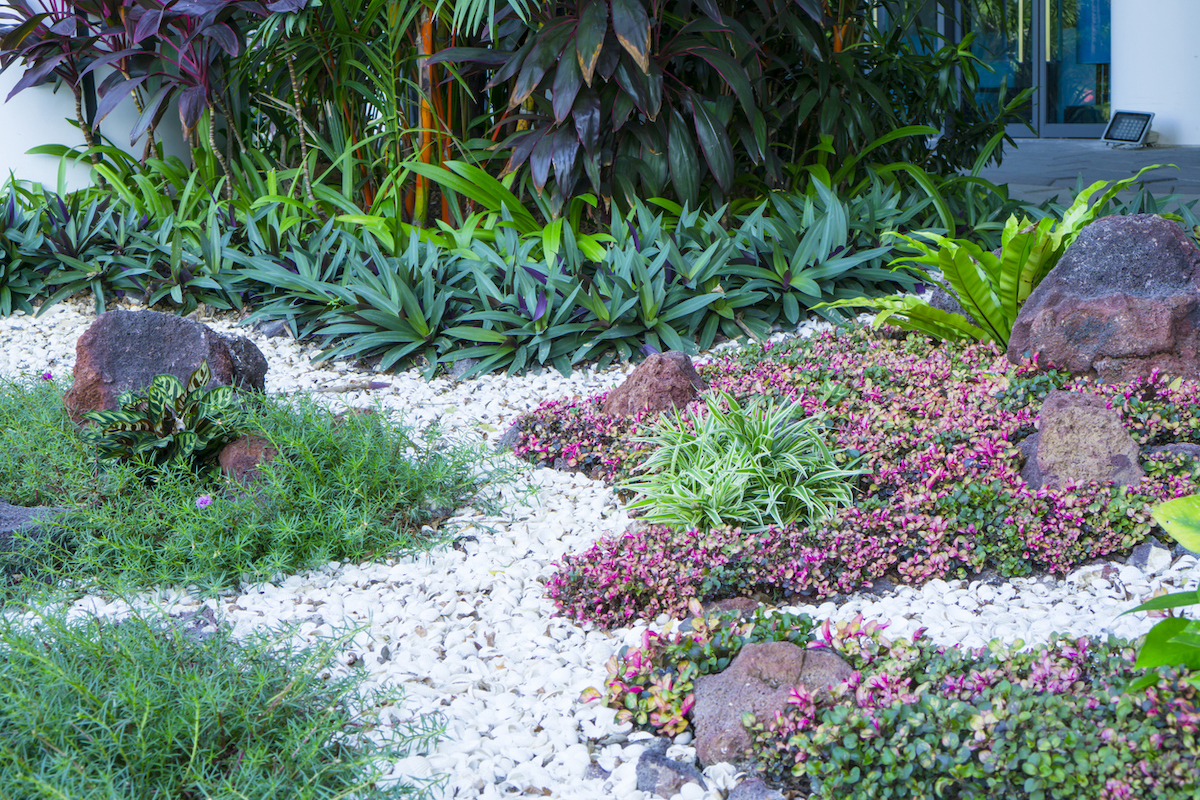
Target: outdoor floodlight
(1128, 127)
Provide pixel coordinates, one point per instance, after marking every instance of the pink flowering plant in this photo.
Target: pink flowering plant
(1055, 721)
(936, 427)
(651, 685)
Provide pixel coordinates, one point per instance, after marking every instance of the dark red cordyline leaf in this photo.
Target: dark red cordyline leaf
(631, 24)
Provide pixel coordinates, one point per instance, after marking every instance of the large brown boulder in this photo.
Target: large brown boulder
(123, 351)
(1123, 301)
(1080, 439)
(660, 382)
(759, 680)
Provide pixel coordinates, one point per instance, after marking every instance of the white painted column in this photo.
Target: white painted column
(1156, 64)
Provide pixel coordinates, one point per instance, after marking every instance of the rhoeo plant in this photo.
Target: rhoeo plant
(752, 466)
(170, 424)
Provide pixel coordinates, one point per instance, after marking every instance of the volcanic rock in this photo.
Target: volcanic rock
(1123, 301)
(660, 382)
(123, 351)
(1080, 439)
(759, 680)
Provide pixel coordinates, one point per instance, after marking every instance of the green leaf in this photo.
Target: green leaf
(1159, 649)
(1174, 600)
(589, 37)
(544, 54)
(1180, 518)
(714, 143)
(682, 159)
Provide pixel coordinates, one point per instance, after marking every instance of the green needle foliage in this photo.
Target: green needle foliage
(750, 466)
(138, 709)
(346, 488)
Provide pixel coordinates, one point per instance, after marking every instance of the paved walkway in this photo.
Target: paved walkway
(1040, 169)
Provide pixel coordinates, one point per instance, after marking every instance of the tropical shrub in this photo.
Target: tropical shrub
(156, 52)
(689, 101)
(749, 465)
(20, 280)
(170, 424)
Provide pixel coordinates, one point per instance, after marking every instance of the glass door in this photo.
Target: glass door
(1075, 85)
(1004, 41)
(1059, 46)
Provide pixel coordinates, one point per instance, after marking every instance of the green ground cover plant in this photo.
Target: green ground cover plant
(342, 488)
(143, 708)
(916, 719)
(936, 427)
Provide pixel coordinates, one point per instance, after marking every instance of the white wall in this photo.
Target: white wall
(1156, 64)
(33, 117)
(38, 116)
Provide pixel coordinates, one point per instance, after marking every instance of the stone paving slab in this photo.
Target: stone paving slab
(1040, 169)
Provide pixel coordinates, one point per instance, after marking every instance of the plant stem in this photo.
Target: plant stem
(304, 166)
(212, 143)
(425, 83)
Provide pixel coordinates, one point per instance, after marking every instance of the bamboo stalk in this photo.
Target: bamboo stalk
(425, 85)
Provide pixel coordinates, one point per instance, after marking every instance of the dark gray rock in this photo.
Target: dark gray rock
(657, 774)
(1150, 556)
(754, 789)
(274, 329)
(26, 529)
(1123, 301)
(881, 587)
(1029, 462)
(509, 438)
(942, 300)
(462, 367)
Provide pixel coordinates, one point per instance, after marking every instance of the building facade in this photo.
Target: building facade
(1084, 59)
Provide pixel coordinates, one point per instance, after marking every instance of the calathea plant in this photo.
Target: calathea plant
(171, 424)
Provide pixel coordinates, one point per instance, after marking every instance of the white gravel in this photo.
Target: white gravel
(469, 633)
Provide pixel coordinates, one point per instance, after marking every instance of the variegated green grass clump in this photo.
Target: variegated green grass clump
(171, 424)
(749, 466)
